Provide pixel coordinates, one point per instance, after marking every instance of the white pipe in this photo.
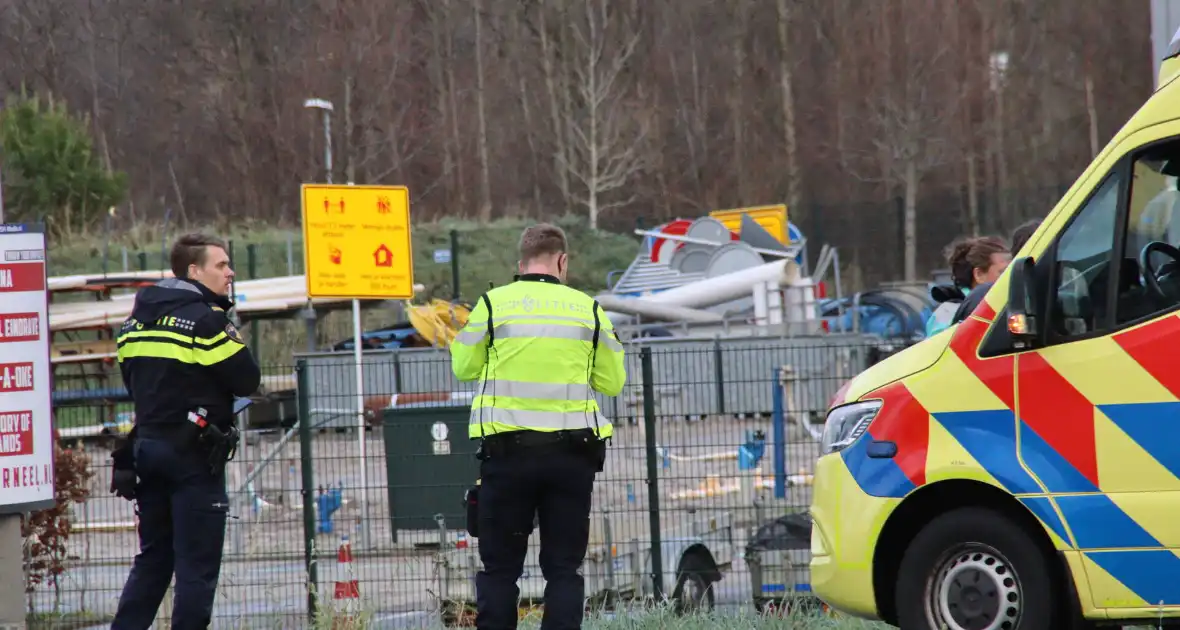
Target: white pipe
(774, 303)
(726, 288)
(760, 307)
(648, 308)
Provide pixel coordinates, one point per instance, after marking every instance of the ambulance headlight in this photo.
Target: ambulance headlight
(846, 423)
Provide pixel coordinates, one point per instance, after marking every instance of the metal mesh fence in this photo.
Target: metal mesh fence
(713, 438)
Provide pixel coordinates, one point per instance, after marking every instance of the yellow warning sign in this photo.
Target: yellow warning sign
(356, 242)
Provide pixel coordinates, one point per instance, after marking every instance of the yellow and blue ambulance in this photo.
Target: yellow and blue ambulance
(1021, 469)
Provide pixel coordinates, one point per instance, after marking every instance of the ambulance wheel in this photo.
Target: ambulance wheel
(975, 569)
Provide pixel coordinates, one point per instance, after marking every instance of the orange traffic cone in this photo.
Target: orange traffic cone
(348, 587)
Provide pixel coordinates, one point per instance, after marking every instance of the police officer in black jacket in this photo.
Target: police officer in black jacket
(183, 362)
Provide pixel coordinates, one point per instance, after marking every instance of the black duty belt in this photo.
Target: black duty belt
(179, 434)
(500, 444)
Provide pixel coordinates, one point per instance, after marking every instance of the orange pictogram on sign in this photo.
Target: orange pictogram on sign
(334, 254)
(383, 257)
(383, 205)
(328, 206)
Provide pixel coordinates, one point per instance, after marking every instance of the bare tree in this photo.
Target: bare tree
(485, 185)
(688, 106)
(967, 82)
(910, 121)
(538, 22)
(736, 97)
(608, 130)
(443, 74)
(671, 104)
(530, 126)
(790, 145)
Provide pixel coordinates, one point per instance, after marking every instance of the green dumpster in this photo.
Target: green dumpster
(429, 463)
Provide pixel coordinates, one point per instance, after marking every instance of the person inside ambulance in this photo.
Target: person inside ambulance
(1149, 269)
(1154, 233)
(973, 261)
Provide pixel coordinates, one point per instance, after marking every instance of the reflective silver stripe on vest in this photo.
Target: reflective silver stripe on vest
(471, 337)
(555, 420)
(552, 318)
(606, 338)
(526, 389)
(474, 334)
(545, 331)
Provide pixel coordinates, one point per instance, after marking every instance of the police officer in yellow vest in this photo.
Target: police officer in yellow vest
(540, 350)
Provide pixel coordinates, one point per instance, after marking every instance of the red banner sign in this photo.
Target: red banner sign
(22, 277)
(19, 327)
(16, 377)
(16, 433)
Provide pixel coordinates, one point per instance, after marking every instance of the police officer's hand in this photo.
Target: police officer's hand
(123, 478)
(123, 483)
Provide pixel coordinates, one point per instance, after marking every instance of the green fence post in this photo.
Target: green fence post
(455, 265)
(308, 485)
(719, 375)
(398, 385)
(653, 489)
(251, 261)
(255, 325)
(256, 339)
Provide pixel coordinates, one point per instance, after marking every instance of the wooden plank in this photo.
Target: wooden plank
(74, 359)
(81, 348)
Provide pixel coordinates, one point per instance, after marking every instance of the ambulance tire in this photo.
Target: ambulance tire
(983, 547)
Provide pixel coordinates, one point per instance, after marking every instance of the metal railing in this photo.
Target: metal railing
(712, 438)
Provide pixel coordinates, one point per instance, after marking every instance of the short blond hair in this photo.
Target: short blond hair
(543, 239)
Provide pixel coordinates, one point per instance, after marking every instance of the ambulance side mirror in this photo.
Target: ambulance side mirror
(1022, 314)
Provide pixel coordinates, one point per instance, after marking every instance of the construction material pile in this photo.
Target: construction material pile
(259, 297)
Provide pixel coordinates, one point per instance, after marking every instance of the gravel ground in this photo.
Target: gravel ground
(263, 572)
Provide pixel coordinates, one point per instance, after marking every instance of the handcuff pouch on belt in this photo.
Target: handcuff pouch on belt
(220, 446)
(471, 505)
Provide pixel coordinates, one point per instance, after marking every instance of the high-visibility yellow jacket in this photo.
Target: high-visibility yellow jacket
(532, 346)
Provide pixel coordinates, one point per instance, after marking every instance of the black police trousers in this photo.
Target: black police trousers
(555, 485)
(182, 510)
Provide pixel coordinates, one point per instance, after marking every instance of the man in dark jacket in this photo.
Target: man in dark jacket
(183, 362)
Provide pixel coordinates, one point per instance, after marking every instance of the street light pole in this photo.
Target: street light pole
(326, 108)
(309, 315)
